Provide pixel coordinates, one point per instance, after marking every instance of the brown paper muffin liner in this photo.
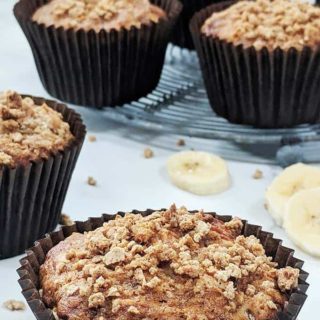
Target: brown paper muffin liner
(181, 35)
(269, 89)
(31, 196)
(35, 257)
(98, 69)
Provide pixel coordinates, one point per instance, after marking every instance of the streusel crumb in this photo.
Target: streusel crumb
(29, 131)
(98, 14)
(148, 153)
(14, 305)
(266, 23)
(168, 265)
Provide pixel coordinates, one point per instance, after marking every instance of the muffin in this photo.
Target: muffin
(167, 264)
(260, 60)
(98, 53)
(39, 144)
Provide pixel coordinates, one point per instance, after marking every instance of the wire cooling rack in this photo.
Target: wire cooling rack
(179, 105)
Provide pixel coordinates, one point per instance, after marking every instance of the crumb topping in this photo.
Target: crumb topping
(29, 131)
(265, 23)
(98, 14)
(167, 265)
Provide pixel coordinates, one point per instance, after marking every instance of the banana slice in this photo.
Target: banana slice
(293, 179)
(200, 173)
(302, 220)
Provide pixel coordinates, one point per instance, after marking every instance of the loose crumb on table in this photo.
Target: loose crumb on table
(148, 153)
(14, 305)
(258, 174)
(181, 143)
(91, 181)
(92, 138)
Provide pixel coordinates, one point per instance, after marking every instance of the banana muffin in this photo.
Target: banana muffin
(264, 23)
(171, 264)
(98, 53)
(260, 61)
(29, 131)
(40, 141)
(98, 14)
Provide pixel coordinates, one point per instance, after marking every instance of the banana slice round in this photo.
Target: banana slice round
(293, 179)
(302, 220)
(200, 173)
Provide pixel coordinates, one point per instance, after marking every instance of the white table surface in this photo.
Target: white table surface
(125, 179)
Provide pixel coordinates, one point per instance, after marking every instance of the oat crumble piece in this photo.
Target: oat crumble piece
(148, 153)
(264, 23)
(98, 14)
(258, 174)
(91, 181)
(14, 305)
(181, 143)
(29, 131)
(288, 278)
(92, 138)
(163, 266)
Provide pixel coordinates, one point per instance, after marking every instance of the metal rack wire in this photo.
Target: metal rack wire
(179, 105)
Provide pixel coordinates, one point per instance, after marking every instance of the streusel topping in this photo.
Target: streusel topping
(98, 14)
(168, 265)
(29, 131)
(265, 23)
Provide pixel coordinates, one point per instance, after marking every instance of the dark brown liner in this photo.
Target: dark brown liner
(258, 87)
(32, 195)
(98, 69)
(30, 264)
(181, 35)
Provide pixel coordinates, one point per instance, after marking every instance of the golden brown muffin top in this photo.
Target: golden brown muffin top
(265, 23)
(29, 131)
(98, 14)
(168, 265)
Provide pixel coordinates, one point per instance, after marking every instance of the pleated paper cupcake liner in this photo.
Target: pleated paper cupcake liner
(268, 89)
(98, 69)
(35, 257)
(181, 35)
(31, 196)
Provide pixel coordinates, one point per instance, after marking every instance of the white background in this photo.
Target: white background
(125, 179)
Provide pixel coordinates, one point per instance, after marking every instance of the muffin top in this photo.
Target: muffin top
(264, 23)
(168, 265)
(29, 131)
(98, 14)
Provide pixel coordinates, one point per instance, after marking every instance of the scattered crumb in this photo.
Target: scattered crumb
(257, 175)
(65, 220)
(91, 181)
(14, 305)
(181, 143)
(148, 153)
(266, 206)
(92, 138)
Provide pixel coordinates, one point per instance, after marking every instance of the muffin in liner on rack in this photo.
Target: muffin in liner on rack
(165, 264)
(40, 141)
(260, 61)
(100, 57)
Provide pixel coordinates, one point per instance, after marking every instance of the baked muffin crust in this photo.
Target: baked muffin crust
(168, 265)
(265, 23)
(29, 131)
(98, 14)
